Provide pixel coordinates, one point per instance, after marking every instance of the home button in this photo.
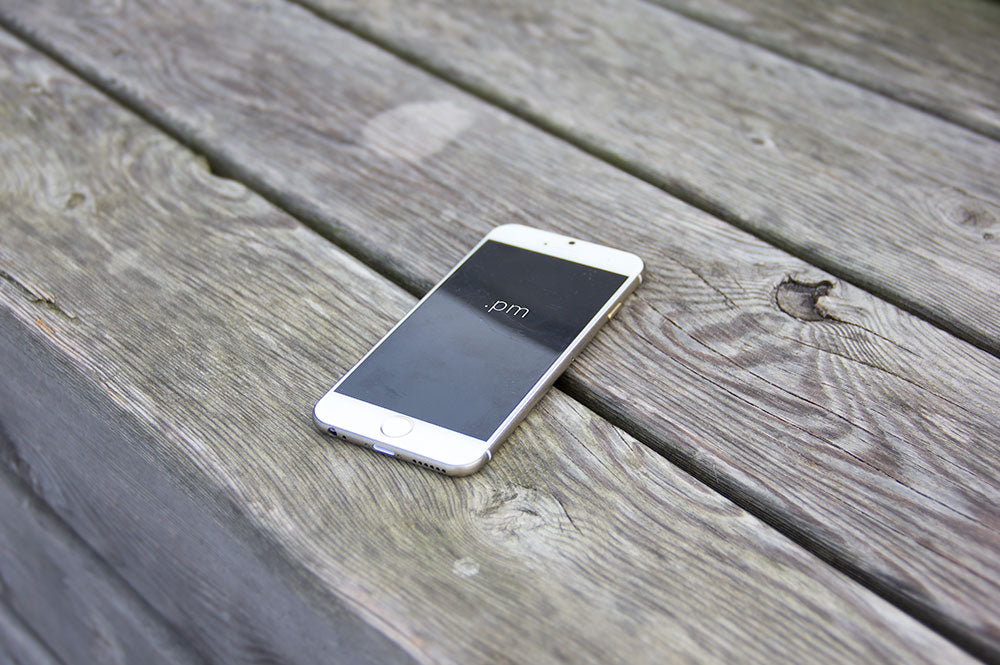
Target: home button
(396, 426)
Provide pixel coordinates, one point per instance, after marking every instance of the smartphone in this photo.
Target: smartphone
(456, 375)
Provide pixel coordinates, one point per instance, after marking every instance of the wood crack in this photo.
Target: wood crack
(729, 301)
(888, 371)
(36, 295)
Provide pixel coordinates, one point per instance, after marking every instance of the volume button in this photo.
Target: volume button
(614, 310)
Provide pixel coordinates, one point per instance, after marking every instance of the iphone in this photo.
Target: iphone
(456, 375)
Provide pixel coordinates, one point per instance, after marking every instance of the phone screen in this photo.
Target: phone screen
(471, 352)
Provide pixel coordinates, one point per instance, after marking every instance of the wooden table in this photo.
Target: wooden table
(786, 447)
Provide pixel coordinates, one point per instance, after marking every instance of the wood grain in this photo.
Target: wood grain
(18, 644)
(68, 594)
(186, 328)
(899, 202)
(938, 56)
(860, 430)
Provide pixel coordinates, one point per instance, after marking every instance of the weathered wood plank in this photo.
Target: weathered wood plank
(939, 56)
(179, 327)
(68, 595)
(859, 429)
(185, 546)
(18, 645)
(893, 199)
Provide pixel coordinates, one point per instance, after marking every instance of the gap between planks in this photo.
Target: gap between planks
(803, 539)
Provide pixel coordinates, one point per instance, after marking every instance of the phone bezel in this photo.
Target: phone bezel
(452, 452)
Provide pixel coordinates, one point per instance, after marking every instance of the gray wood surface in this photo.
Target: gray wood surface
(863, 431)
(895, 200)
(939, 56)
(180, 328)
(18, 644)
(68, 594)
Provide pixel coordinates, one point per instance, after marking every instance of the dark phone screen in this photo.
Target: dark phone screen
(466, 357)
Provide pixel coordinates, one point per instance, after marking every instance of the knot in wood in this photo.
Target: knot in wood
(801, 299)
(530, 517)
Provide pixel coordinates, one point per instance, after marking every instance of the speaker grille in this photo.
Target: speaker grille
(429, 466)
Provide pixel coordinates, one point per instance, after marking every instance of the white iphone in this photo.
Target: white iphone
(457, 374)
